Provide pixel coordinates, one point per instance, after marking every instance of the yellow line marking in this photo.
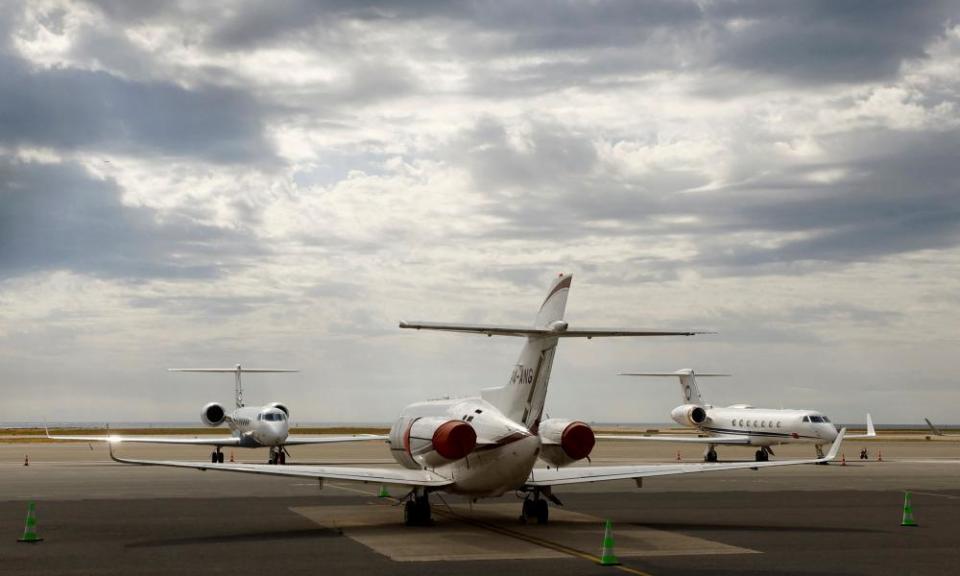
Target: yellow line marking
(504, 531)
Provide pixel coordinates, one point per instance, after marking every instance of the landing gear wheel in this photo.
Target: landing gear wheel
(216, 456)
(283, 457)
(761, 456)
(213, 457)
(541, 511)
(220, 457)
(417, 512)
(711, 456)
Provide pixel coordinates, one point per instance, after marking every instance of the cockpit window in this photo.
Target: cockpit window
(274, 417)
(806, 418)
(816, 419)
(825, 419)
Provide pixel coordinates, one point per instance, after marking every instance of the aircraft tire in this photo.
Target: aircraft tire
(542, 511)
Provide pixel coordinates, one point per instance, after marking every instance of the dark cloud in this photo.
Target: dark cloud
(56, 216)
(69, 108)
(826, 41)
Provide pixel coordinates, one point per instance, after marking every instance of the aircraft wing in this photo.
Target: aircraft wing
(871, 431)
(395, 476)
(117, 439)
(562, 331)
(718, 440)
(331, 439)
(541, 477)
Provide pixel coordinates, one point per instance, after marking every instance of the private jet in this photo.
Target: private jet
(266, 426)
(488, 445)
(741, 424)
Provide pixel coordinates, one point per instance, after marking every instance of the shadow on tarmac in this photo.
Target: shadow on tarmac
(245, 537)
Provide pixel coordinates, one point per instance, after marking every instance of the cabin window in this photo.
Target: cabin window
(733, 422)
(741, 422)
(778, 423)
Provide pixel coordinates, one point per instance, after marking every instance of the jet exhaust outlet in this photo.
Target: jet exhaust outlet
(564, 441)
(689, 415)
(454, 439)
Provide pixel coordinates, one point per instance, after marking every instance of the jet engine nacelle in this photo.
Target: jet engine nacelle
(565, 441)
(213, 414)
(431, 441)
(280, 407)
(689, 415)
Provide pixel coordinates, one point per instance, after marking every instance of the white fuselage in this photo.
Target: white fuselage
(769, 427)
(505, 452)
(259, 425)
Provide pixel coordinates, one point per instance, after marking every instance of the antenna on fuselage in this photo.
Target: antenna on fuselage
(237, 371)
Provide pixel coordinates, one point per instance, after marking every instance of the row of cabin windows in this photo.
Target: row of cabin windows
(755, 423)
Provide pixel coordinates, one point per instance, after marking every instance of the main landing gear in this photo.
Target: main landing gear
(416, 510)
(535, 506)
(710, 455)
(277, 456)
(763, 454)
(216, 457)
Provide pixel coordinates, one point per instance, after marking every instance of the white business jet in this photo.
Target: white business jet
(741, 424)
(488, 445)
(265, 426)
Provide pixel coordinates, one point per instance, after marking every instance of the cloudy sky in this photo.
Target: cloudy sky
(279, 183)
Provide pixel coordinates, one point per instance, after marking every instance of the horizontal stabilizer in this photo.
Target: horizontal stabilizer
(673, 374)
(233, 370)
(558, 329)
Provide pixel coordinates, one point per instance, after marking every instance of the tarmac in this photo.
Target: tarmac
(100, 517)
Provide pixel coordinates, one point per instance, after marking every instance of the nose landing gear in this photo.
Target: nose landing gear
(277, 456)
(710, 455)
(216, 457)
(763, 454)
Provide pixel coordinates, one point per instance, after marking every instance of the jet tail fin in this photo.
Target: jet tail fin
(936, 431)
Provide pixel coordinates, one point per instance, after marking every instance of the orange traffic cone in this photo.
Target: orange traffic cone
(678, 455)
(26, 459)
(843, 459)
(231, 455)
(879, 456)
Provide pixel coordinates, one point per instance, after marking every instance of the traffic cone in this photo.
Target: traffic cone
(678, 455)
(383, 492)
(231, 455)
(606, 552)
(843, 459)
(30, 528)
(907, 511)
(879, 455)
(26, 459)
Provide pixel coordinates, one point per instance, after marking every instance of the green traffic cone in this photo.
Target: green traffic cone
(907, 512)
(606, 552)
(383, 492)
(30, 528)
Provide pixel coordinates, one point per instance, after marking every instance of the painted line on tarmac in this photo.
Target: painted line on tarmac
(937, 495)
(505, 532)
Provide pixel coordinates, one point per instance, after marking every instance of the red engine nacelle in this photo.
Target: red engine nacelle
(565, 441)
(431, 441)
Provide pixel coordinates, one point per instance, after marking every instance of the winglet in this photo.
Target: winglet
(835, 447)
(871, 431)
(936, 431)
(46, 429)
